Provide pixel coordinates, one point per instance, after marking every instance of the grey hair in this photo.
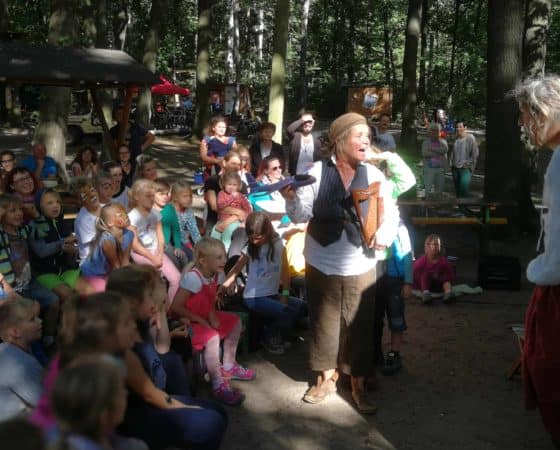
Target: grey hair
(541, 96)
(337, 147)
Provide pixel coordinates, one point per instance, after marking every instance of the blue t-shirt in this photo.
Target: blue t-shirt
(49, 169)
(20, 381)
(97, 265)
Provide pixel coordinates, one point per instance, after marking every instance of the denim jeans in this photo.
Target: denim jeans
(281, 317)
(36, 291)
(462, 180)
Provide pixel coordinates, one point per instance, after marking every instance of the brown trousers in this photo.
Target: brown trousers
(341, 309)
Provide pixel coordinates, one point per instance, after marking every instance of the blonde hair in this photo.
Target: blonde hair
(205, 247)
(541, 98)
(244, 151)
(435, 238)
(102, 225)
(140, 185)
(180, 186)
(161, 185)
(12, 313)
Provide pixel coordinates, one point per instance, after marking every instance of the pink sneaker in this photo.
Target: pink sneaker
(238, 372)
(226, 394)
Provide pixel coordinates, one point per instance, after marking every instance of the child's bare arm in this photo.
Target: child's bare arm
(230, 277)
(109, 249)
(178, 307)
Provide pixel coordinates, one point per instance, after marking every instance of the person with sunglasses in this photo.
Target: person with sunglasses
(7, 164)
(304, 148)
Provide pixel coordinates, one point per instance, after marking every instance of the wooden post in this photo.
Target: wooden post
(126, 115)
(109, 153)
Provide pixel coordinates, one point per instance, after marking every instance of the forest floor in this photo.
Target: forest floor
(451, 393)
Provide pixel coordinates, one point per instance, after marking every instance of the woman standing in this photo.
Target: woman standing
(340, 271)
(539, 102)
(264, 146)
(304, 148)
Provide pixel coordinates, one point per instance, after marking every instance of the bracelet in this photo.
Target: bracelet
(285, 292)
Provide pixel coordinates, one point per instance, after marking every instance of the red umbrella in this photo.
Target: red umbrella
(168, 88)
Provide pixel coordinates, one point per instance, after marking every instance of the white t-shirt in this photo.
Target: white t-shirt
(305, 158)
(146, 228)
(263, 276)
(192, 282)
(84, 227)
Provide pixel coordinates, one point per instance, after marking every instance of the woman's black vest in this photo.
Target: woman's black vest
(333, 210)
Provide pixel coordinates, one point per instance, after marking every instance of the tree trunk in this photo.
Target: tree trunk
(303, 54)
(503, 154)
(55, 101)
(204, 36)
(230, 65)
(4, 17)
(422, 83)
(386, 42)
(451, 80)
(260, 35)
(151, 47)
(101, 38)
(278, 71)
(121, 19)
(537, 21)
(410, 63)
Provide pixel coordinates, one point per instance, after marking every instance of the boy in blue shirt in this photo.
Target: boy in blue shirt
(399, 287)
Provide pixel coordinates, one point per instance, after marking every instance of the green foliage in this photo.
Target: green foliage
(345, 46)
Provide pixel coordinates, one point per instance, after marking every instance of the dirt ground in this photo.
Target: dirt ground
(451, 394)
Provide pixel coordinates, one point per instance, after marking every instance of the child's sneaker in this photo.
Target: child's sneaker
(226, 394)
(238, 372)
(392, 364)
(426, 297)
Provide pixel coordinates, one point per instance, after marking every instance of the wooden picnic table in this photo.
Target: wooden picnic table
(485, 217)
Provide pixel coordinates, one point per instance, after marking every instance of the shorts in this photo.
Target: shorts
(52, 280)
(395, 305)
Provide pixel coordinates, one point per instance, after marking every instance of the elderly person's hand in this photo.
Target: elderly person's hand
(289, 193)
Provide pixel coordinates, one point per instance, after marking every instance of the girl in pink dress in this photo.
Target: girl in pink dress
(195, 304)
(432, 271)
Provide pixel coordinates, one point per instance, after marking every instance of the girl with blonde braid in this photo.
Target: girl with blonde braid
(111, 247)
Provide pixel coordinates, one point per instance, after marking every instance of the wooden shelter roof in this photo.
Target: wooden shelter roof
(70, 66)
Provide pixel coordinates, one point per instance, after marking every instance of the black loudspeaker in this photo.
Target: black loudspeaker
(499, 272)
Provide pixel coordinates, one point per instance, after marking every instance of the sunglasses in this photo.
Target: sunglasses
(17, 180)
(7, 160)
(276, 168)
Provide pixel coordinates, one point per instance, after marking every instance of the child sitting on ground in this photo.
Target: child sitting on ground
(161, 200)
(432, 271)
(148, 244)
(267, 271)
(15, 265)
(84, 225)
(397, 288)
(54, 251)
(196, 302)
(111, 247)
(21, 374)
(178, 220)
(230, 197)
